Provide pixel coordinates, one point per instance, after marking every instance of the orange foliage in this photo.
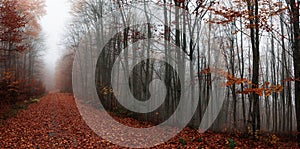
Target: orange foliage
(260, 89)
(19, 27)
(9, 88)
(239, 9)
(33, 10)
(14, 89)
(36, 127)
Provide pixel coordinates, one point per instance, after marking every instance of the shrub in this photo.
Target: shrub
(182, 142)
(230, 143)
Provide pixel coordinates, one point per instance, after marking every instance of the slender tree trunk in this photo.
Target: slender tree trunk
(294, 5)
(254, 35)
(232, 69)
(241, 70)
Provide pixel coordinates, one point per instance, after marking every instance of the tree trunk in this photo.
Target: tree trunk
(296, 57)
(254, 34)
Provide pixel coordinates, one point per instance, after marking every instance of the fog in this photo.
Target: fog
(53, 25)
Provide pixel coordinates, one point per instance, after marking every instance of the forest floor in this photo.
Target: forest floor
(55, 122)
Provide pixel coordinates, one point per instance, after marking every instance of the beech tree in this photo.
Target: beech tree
(294, 15)
(255, 52)
(20, 44)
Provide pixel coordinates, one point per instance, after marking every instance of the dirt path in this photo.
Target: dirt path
(54, 122)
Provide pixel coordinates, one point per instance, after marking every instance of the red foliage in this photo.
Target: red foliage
(19, 28)
(54, 122)
(11, 23)
(19, 21)
(14, 89)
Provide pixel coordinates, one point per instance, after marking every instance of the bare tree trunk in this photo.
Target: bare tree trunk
(294, 6)
(232, 66)
(241, 70)
(267, 102)
(254, 35)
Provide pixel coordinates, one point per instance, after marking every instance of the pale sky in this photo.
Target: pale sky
(54, 25)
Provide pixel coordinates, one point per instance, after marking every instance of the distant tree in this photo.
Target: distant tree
(63, 75)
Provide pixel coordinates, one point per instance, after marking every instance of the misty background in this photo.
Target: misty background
(53, 26)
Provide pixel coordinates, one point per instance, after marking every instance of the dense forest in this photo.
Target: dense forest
(230, 67)
(21, 49)
(248, 50)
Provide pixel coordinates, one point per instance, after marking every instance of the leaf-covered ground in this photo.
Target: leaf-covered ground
(54, 122)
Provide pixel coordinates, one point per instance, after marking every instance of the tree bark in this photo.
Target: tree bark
(296, 58)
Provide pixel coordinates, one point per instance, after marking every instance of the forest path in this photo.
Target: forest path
(55, 122)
